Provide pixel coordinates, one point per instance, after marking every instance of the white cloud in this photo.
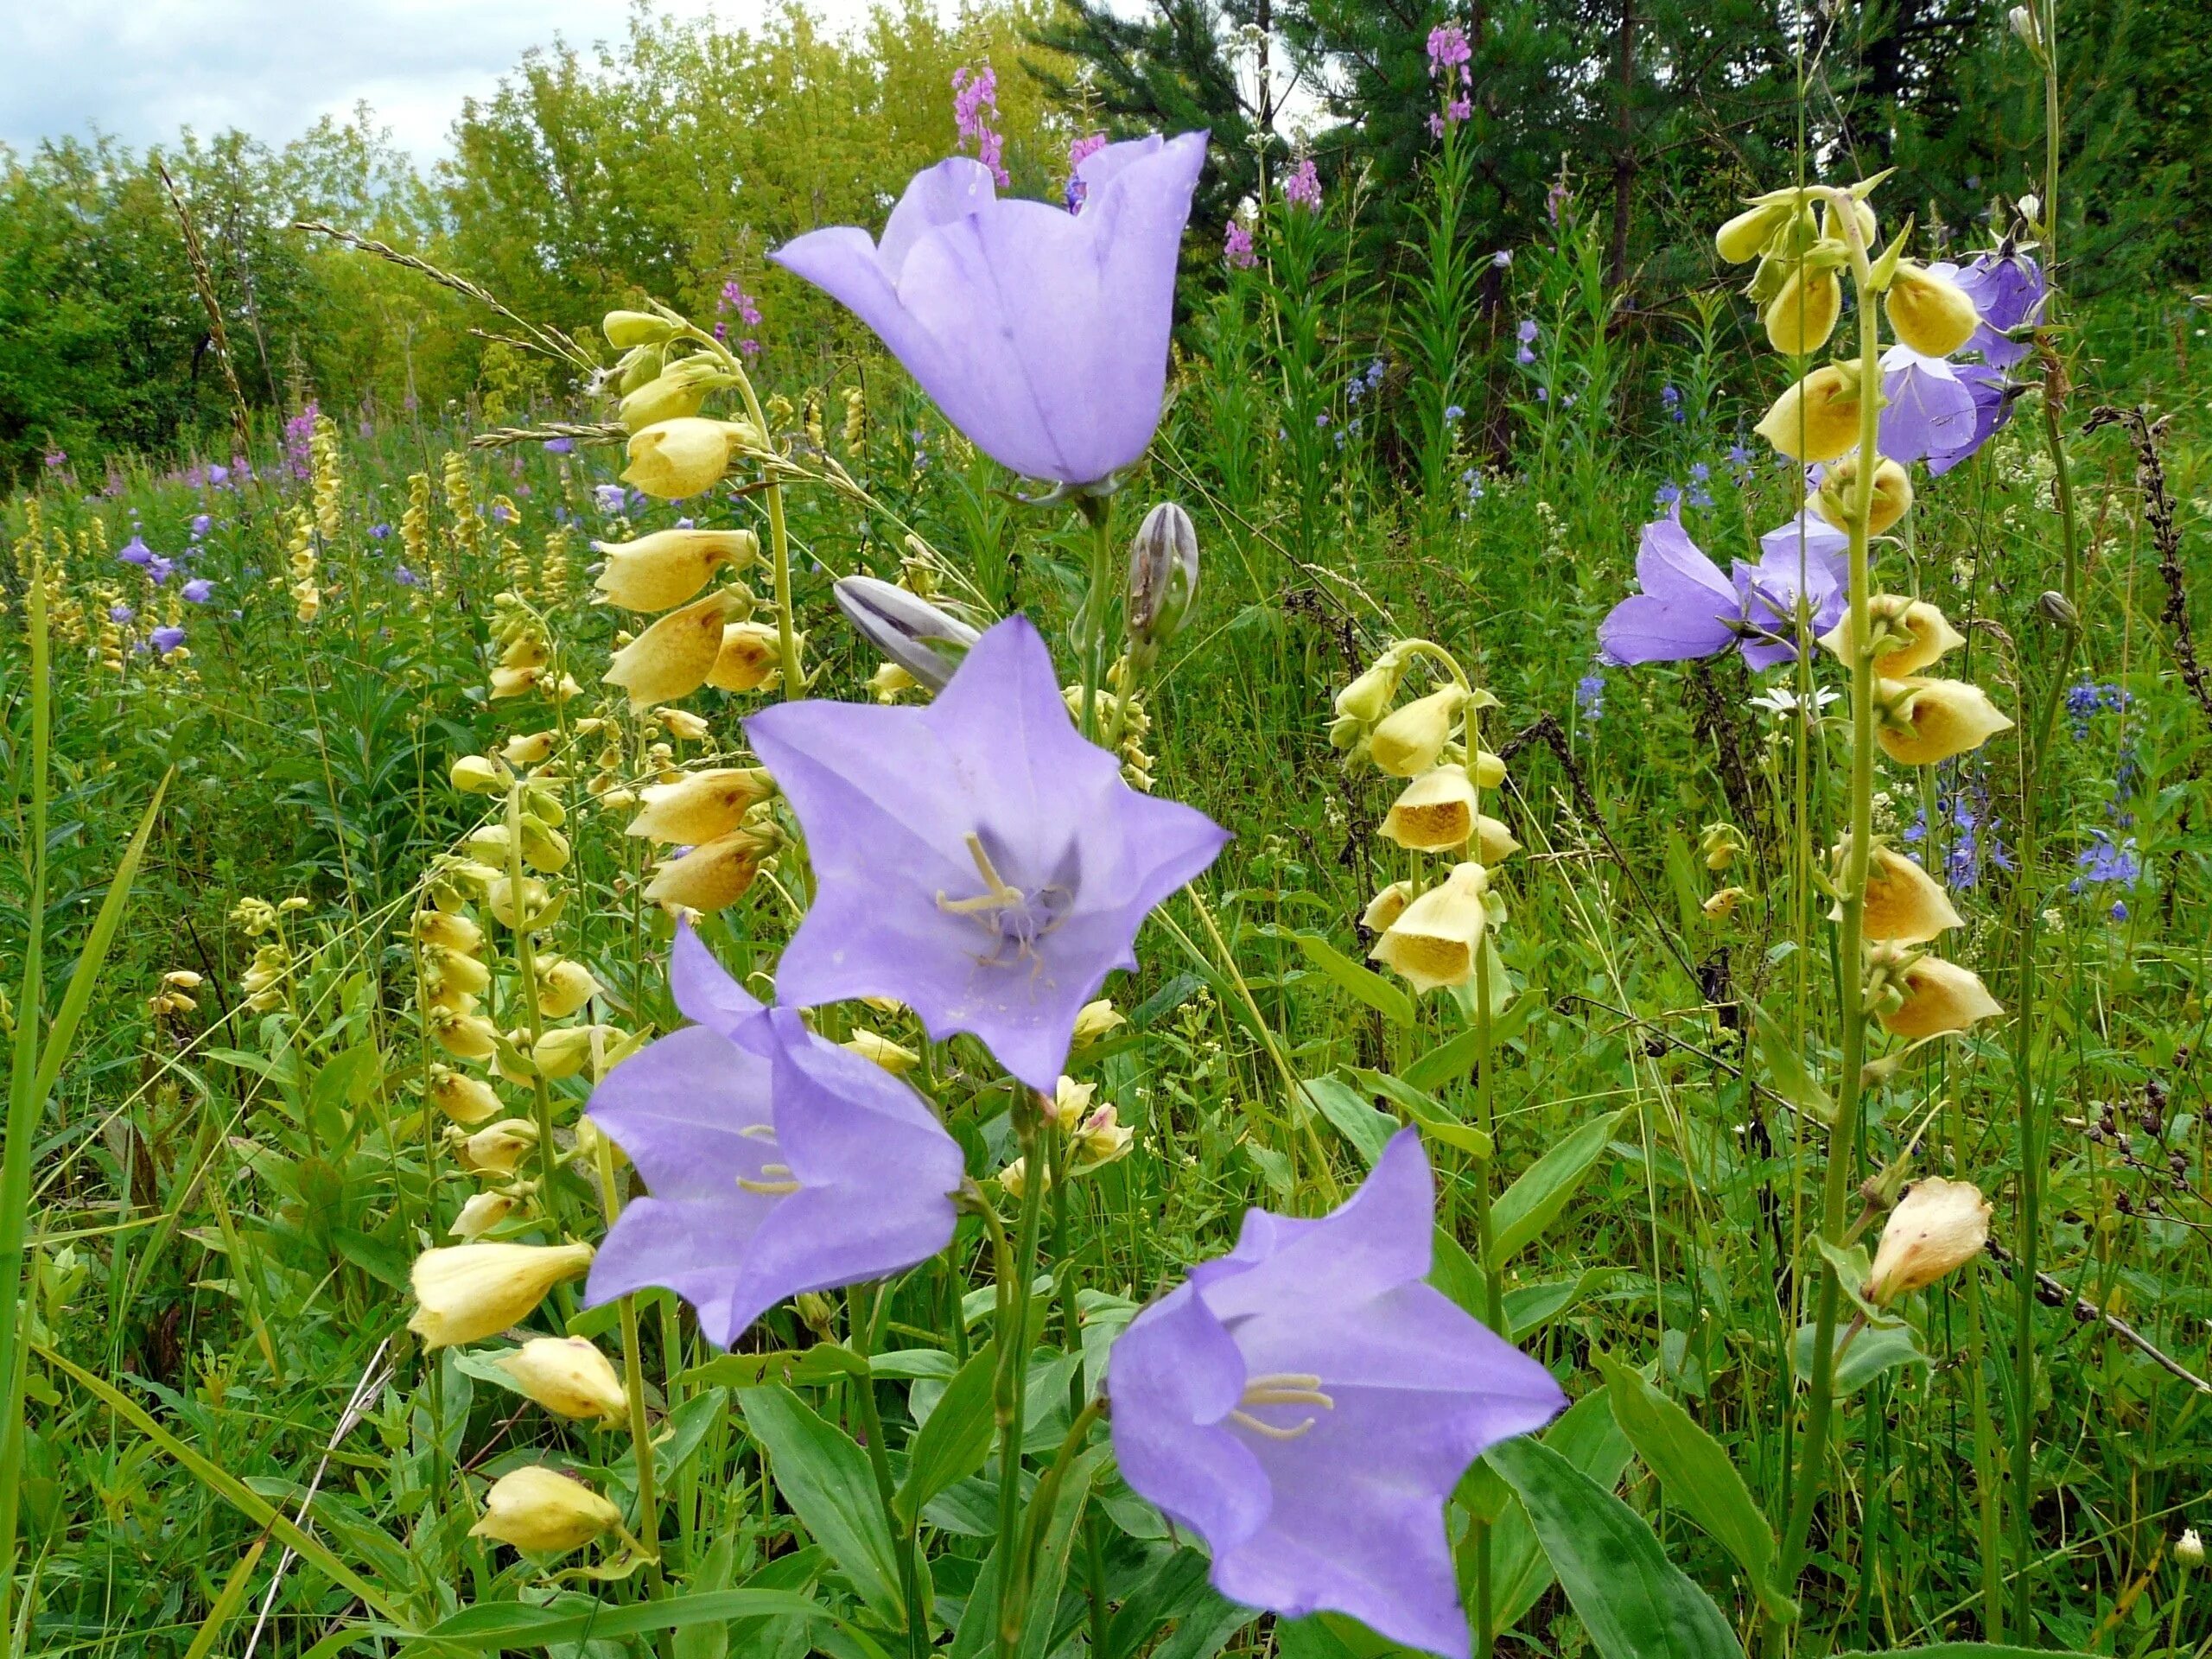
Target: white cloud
(141, 69)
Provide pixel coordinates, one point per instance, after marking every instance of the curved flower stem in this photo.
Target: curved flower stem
(1099, 511)
(1843, 1133)
(1048, 1485)
(634, 1377)
(1009, 1374)
(857, 1326)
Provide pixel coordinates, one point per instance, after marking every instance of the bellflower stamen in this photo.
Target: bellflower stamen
(1245, 1419)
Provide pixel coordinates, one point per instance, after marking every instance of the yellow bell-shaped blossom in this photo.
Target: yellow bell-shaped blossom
(713, 874)
(1924, 721)
(563, 987)
(1407, 741)
(894, 1057)
(1939, 997)
(678, 457)
(673, 657)
(1800, 319)
(461, 1097)
(662, 570)
(1891, 500)
(1931, 314)
(496, 1149)
(465, 1293)
(702, 806)
(1816, 419)
(1905, 904)
(749, 659)
(1937, 1228)
(1909, 635)
(542, 1513)
(568, 1376)
(1434, 813)
(1385, 907)
(1432, 944)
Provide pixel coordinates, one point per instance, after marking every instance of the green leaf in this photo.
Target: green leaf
(1451, 1060)
(1368, 1130)
(1532, 1203)
(489, 1627)
(1697, 1475)
(1453, 1271)
(1588, 1438)
(1966, 1650)
(1435, 1119)
(826, 1361)
(1873, 1350)
(1786, 1069)
(1634, 1602)
(978, 1631)
(1362, 981)
(955, 1440)
(826, 1480)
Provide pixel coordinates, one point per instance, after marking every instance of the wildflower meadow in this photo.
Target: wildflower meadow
(1162, 852)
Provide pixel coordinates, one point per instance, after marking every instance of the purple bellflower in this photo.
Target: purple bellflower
(1042, 334)
(134, 552)
(776, 1161)
(166, 640)
(1807, 553)
(1307, 1403)
(198, 590)
(1689, 608)
(2007, 290)
(977, 859)
(1928, 410)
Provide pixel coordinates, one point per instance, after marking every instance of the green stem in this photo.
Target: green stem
(1493, 1270)
(1099, 510)
(879, 1461)
(633, 1373)
(1009, 1373)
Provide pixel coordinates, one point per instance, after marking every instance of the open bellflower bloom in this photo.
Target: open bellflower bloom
(1042, 334)
(1307, 1403)
(1927, 409)
(976, 858)
(777, 1162)
(1689, 609)
(1809, 555)
(2008, 288)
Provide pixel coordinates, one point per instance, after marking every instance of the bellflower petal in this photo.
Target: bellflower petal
(1687, 608)
(975, 859)
(2007, 290)
(1808, 552)
(1993, 407)
(1042, 334)
(1929, 410)
(1317, 1466)
(776, 1162)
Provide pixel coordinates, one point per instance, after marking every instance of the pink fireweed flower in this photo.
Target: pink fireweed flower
(1448, 49)
(735, 302)
(977, 859)
(975, 106)
(1237, 247)
(1303, 188)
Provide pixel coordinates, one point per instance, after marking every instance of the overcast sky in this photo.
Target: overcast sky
(140, 69)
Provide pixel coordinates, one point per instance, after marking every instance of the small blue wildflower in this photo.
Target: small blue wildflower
(559, 446)
(122, 615)
(1668, 494)
(1589, 696)
(610, 498)
(1453, 413)
(380, 532)
(2106, 862)
(406, 577)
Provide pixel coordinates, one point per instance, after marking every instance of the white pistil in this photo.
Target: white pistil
(998, 896)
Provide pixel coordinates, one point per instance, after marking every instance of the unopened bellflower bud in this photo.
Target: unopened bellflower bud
(1163, 574)
(927, 642)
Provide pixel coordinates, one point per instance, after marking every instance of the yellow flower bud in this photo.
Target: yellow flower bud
(496, 1149)
(1746, 236)
(542, 1513)
(1434, 943)
(1434, 813)
(658, 571)
(748, 659)
(1893, 497)
(684, 726)
(678, 457)
(1407, 741)
(1723, 904)
(1722, 844)
(1800, 319)
(703, 806)
(566, 1050)
(462, 1034)
(1385, 907)
(674, 394)
(465, 1293)
(1939, 997)
(451, 979)
(1905, 904)
(673, 657)
(478, 774)
(1937, 1228)
(894, 1057)
(624, 329)
(499, 900)
(1014, 1180)
(544, 848)
(563, 987)
(1367, 699)
(1909, 635)
(460, 1096)
(1094, 1020)
(1489, 770)
(568, 1376)
(713, 874)
(529, 751)
(1924, 721)
(1817, 419)
(483, 1211)
(1931, 314)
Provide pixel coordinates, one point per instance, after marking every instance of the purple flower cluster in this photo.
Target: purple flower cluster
(1236, 250)
(299, 437)
(1687, 608)
(974, 107)
(2085, 699)
(735, 302)
(1526, 332)
(1303, 188)
(1590, 696)
(1449, 54)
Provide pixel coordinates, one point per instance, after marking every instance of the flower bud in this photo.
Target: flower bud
(1800, 319)
(624, 329)
(1909, 635)
(568, 1376)
(479, 774)
(1722, 845)
(895, 1057)
(1014, 1180)
(712, 875)
(497, 1149)
(452, 980)
(2022, 21)
(1433, 941)
(566, 1050)
(1367, 699)
(1747, 235)
(1385, 907)
(1891, 500)
(448, 931)
(483, 1211)
(563, 987)
(1407, 741)
(928, 643)
(1434, 813)
(1096, 1141)
(675, 394)
(748, 657)
(1094, 1020)
(460, 1096)
(1862, 211)
(1937, 1228)
(1938, 997)
(1905, 904)
(678, 457)
(542, 1513)
(465, 1293)
(658, 571)
(2188, 1550)
(1488, 770)
(1163, 574)
(1924, 721)
(702, 806)
(1817, 419)
(1931, 314)
(462, 1034)
(544, 848)
(673, 657)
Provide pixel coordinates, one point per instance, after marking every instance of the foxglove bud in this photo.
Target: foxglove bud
(1935, 997)
(1905, 904)
(568, 1376)
(748, 657)
(1385, 907)
(712, 876)
(678, 457)
(675, 394)
(464, 1035)
(1925, 722)
(894, 1057)
(1931, 314)
(1432, 944)
(673, 657)
(565, 1050)
(483, 1211)
(1747, 235)
(563, 987)
(1367, 699)
(1407, 741)
(1800, 319)
(479, 774)
(1014, 1180)
(1094, 1020)
(1909, 635)
(915, 635)
(530, 750)
(624, 329)
(447, 930)
(656, 572)
(461, 1097)
(544, 848)
(1489, 772)
(1722, 845)
(496, 1149)
(465, 1293)
(702, 806)
(1937, 1228)
(1163, 574)
(542, 1513)
(1817, 419)
(1891, 500)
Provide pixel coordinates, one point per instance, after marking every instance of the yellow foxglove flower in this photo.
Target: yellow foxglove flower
(1937, 1228)
(462, 1034)
(894, 1057)
(1931, 314)
(1489, 770)
(624, 329)
(1939, 997)
(662, 570)
(1434, 813)
(530, 750)
(683, 725)
(672, 395)
(1385, 907)
(1094, 1020)
(566, 1050)
(1891, 500)
(1746, 236)
(1910, 635)
(563, 987)
(1723, 904)
(702, 806)
(673, 657)
(496, 1149)
(1800, 319)
(748, 659)
(1099, 1138)
(568, 1376)
(1817, 419)
(483, 1211)
(499, 900)
(1434, 943)
(678, 457)
(461, 1097)
(465, 1293)
(479, 774)
(1407, 741)
(1494, 841)
(1905, 904)
(1367, 699)
(542, 1513)
(713, 874)
(1924, 721)
(449, 930)
(1014, 1180)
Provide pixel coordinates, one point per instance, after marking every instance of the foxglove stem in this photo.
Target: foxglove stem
(1851, 903)
(1493, 1270)
(633, 1373)
(1009, 1374)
